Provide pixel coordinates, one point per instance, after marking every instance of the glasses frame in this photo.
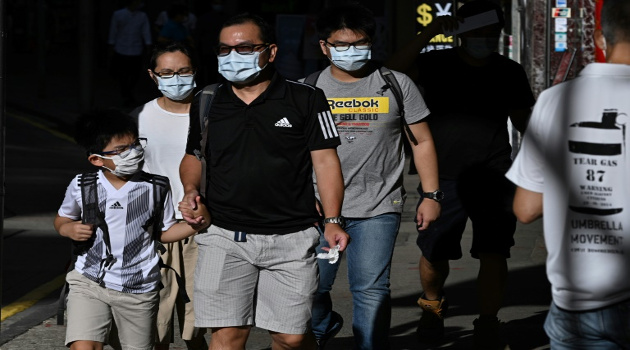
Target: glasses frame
(161, 75)
(140, 143)
(252, 47)
(365, 45)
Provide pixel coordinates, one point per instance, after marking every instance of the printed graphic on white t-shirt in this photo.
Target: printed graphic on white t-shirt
(597, 155)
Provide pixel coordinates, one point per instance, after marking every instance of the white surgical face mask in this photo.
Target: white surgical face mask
(350, 60)
(239, 68)
(127, 163)
(481, 47)
(177, 87)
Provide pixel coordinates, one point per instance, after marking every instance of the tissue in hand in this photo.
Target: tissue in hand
(332, 255)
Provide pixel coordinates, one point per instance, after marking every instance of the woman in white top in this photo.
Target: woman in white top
(164, 122)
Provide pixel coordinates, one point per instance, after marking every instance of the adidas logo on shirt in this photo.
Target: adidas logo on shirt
(116, 206)
(284, 123)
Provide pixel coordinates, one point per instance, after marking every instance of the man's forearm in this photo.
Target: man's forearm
(190, 173)
(425, 158)
(329, 180)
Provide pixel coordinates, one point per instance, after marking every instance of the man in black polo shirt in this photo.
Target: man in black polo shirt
(266, 135)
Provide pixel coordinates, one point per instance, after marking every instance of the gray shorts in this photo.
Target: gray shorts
(91, 309)
(268, 281)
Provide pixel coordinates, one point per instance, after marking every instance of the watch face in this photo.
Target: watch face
(436, 195)
(336, 220)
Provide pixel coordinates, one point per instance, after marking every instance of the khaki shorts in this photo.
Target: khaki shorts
(182, 257)
(91, 309)
(268, 281)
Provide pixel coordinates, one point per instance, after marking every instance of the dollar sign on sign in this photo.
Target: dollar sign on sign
(424, 17)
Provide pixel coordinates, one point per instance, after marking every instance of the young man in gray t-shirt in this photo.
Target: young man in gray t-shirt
(368, 120)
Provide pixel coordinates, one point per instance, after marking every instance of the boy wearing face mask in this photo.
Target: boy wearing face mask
(164, 121)
(471, 91)
(368, 119)
(116, 281)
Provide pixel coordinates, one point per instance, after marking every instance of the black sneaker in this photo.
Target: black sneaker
(487, 335)
(337, 323)
(431, 325)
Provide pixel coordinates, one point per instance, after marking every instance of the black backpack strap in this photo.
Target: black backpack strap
(63, 296)
(311, 79)
(390, 79)
(91, 215)
(205, 103)
(181, 291)
(161, 186)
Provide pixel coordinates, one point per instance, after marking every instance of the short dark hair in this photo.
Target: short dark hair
(97, 128)
(616, 21)
(476, 7)
(351, 16)
(173, 46)
(266, 30)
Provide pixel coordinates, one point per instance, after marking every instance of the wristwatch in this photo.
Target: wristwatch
(336, 220)
(436, 195)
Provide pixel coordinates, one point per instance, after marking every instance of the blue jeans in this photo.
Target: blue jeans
(602, 329)
(369, 257)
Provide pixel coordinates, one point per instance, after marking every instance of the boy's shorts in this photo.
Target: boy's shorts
(91, 309)
(483, 196)
(268, 281)
(181, 256)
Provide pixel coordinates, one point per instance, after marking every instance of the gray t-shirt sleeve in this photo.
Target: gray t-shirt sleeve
(415, 107)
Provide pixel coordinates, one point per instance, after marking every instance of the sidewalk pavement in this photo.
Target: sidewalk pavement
(527, 297)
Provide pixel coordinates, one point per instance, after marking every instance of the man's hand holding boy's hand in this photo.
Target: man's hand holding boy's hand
(188, 205)
(197, 216)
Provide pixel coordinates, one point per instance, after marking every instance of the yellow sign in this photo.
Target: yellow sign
(359, 105)
(424, 14)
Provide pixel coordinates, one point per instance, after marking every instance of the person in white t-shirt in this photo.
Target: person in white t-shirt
(573, 167)
(164, 121)
(116, 278)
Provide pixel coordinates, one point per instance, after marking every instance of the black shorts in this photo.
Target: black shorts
(483, 195)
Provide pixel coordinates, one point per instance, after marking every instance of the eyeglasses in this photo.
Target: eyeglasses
(362, 44)
(167, 74)
(224, 50)
(125, 150)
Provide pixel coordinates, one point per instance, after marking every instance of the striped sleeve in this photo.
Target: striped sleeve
(320, 127)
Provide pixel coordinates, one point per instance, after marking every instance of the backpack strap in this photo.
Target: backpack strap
(205, 103)
(311, 79)
(390, 79)
(94, 216)
(161, 186)
(91, 215)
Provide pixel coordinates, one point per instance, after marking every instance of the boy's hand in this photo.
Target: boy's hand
(77, 231)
